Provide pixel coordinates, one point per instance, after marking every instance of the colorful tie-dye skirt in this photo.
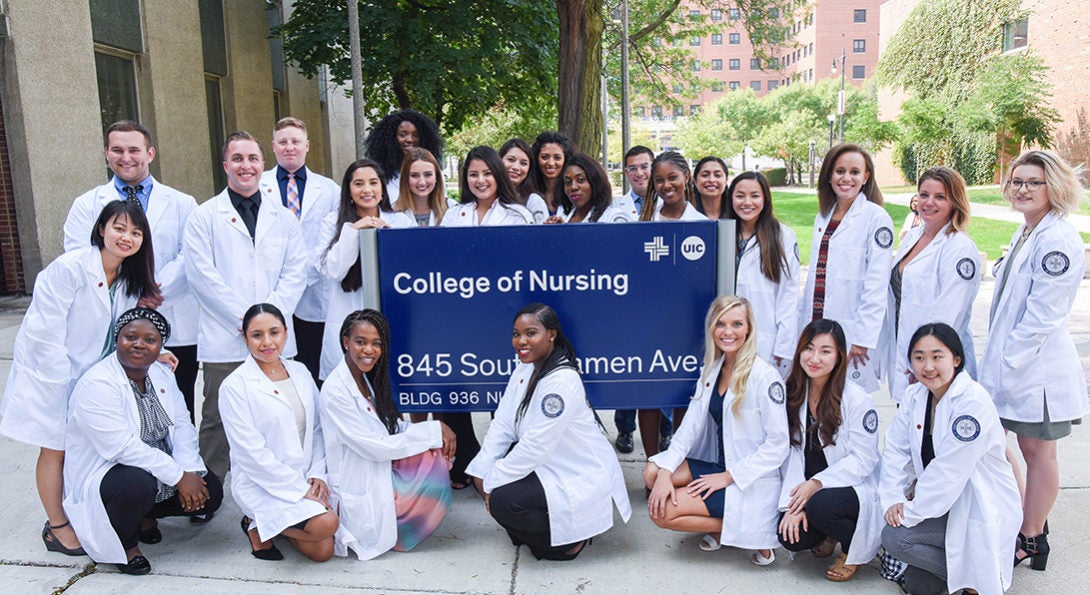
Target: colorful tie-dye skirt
(422, 496)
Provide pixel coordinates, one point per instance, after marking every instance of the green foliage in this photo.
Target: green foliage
(777, 176)
(1010, 100)
(498, 125)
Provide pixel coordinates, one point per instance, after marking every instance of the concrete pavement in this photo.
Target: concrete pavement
(471, 554)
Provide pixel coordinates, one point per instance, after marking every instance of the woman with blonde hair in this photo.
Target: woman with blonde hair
(421, 188)
(720, 475)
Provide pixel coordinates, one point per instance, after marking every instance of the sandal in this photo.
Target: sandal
(760, 560)
(824, 550)
(709, 543)
(53, 543)
(839, 571)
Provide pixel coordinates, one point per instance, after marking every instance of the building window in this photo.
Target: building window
(717, 14)
(734, 85)
(773, 85)
(717, 86)
(773, 13)
(754, 64)
(678, 111)
(678, 88)
(641, 112)
(656, 112)
(774, 63)
(694, 15)
(734, 64)
(755, 85)
(860, 15)
(734, 38)
(717, 39)
(213, 44)
(695, 66)
(859, 72)
(694, 40)
(116, 88)
(859, 46)
(657, 42)
(694, 110)
(811, 48)
(717, 64)
(1015, 35)
(733, 14)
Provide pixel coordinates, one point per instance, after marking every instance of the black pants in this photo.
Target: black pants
(128, 493)
(467, 445)
(186, 374)
(308, 340)
(520, 508)
(831, 512)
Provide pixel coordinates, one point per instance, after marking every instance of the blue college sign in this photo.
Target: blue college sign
(631, 297)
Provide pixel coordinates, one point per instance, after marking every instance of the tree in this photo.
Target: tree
(579, 63)
(724, 127)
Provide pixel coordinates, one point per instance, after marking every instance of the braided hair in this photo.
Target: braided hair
(379, 376)
(561, 356)
(677, 160)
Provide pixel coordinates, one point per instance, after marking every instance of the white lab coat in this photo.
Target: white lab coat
(168, 211)
(359, 452)
(938, 285)
(775, 305)
(332, 263)
(610, 214)
(626, 203)
(856, 280)
(269, 468)
(1030, 355)
(969, 478)
(537, 207)
(465, 215)
(689, 214)
(321, 196)
(853, 463)
(104, 431)
(568, 451)
(62, 335)
(755, 443)
(229, 272)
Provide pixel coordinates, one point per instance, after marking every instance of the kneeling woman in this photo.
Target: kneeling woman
(132, 451)
(830, 477)
(269, 412)
(546, 470)
(727, 453)
(389, 476)
(952, 505)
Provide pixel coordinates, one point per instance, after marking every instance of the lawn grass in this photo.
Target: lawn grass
(993, 195)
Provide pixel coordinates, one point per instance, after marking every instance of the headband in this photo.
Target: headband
(156, 319)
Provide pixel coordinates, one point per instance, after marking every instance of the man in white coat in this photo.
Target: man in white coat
(129, 153)
(310, 197)
(240, 249)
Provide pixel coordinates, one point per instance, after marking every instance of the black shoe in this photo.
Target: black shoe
(151, 535)
(664, 442)
(270, 553)
(137, 566)
(53, 544)
(624, 443)
(1036, 549)
(200, 519)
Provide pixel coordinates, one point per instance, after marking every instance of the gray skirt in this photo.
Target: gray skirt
(1045, 430)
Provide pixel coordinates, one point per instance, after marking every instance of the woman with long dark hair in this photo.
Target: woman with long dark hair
(391, 138)
(587, 196)
(710, 185)
(487, 195)
(518, 160)
(551, 151)
(547, 472)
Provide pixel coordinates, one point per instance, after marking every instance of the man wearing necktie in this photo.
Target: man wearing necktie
(241, 248)
(309, 196)
(129, 153)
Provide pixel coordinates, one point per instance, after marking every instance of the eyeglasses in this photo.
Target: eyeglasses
(637, 168)
(1031, 185)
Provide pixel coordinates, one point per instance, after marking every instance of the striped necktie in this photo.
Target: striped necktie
(293, 196)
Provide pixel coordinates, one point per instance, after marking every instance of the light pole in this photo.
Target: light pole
(832, 120)
(840, 98)
(626, 109)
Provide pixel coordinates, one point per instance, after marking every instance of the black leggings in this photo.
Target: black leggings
(186, 374)
(520, 508)
(467, 446)
(128, 494)
(831, 512)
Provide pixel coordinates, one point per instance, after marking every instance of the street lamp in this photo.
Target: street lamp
(832, 120)
(626, 109)
(840, 98)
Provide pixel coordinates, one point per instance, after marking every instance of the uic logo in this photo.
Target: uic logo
(692, 248)
(656, 249)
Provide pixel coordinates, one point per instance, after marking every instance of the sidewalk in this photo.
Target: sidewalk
(471, 554)
(998, 212)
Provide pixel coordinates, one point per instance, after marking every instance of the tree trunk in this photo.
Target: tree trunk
(580, 73)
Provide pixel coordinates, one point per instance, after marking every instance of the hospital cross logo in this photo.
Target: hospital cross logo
(656, 249)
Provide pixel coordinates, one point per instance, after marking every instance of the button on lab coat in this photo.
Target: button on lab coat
(755, 444)
(934, 288)
(1030, 355)
(104, 431)
(359, 452)
(229, 272)
(853, 463)
(62, 335)
(969, 478)
(856, 280)
(775, 305)
(569, 452)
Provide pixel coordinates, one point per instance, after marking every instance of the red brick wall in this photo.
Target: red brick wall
(1058, 30)
(11, 257)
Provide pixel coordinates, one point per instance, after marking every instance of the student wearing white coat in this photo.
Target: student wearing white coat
(830, 477)
(547, 472)
(710, 187)
(849, 258)
(550, 151)
(517, 156)
(767, 267)
(721, 474)
(310, 197)
(366, 438)
(422, 199)
(672, 198)
(391, 138)
(132, 451)
(363, 205)
(240, 249)
(934, 277)
(129, 153)
(587, 196)
(67, 328)
(1030, 365)
(951, 503)
(270, 413)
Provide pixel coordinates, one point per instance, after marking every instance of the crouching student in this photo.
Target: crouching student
(951, 501)
(720, 475)
(389, 477)
(830, 477)
(546, 470)
(132, 451)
